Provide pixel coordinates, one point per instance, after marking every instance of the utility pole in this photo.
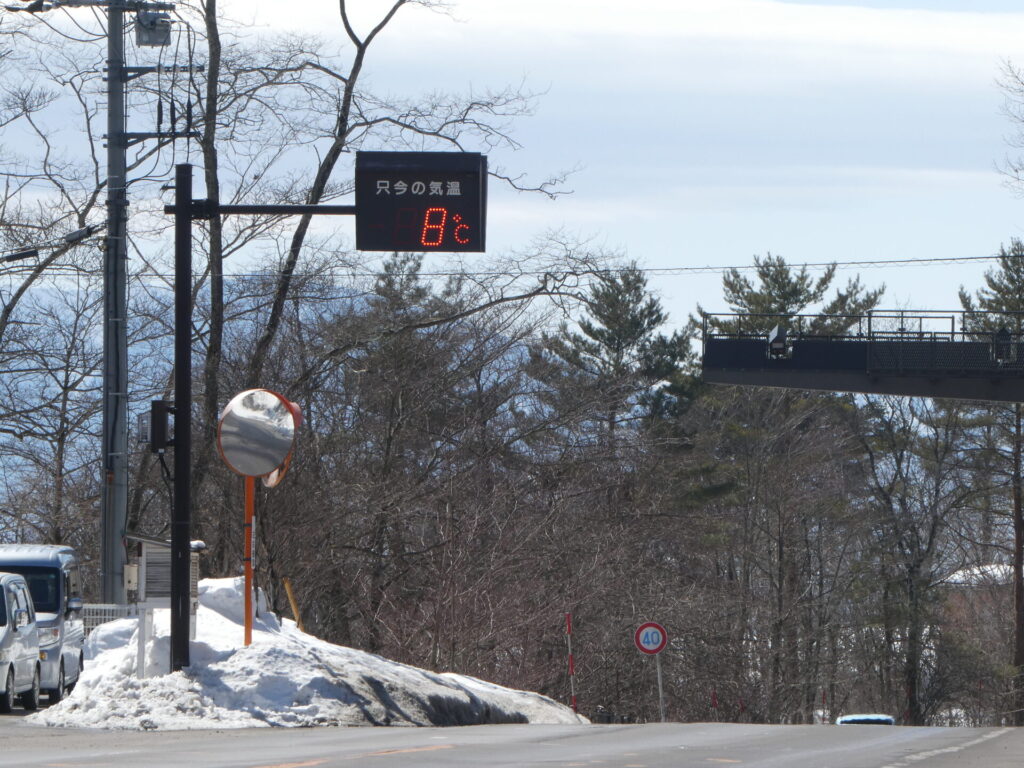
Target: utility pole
(155, 31)
(114, 495)
(114, 499)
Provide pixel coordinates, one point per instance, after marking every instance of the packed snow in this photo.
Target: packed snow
(285, 678)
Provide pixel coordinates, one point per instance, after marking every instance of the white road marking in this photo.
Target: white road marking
(919, 756)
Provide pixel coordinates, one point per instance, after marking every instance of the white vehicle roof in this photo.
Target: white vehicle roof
(866, 718)
(35, 554)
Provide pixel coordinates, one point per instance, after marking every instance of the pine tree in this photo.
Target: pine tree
(620, 357)
(782, 293)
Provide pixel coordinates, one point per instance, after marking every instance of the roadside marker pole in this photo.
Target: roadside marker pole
(572, 663)
(293, 603)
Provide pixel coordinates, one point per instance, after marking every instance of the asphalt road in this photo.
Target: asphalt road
(613, 746)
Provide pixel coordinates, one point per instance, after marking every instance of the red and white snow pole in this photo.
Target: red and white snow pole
(572, 662)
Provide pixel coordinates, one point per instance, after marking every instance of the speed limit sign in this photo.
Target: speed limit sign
(650, 638)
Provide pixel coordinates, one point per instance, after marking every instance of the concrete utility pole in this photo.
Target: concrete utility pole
(153, 26)
(114, 450)
(114, 510)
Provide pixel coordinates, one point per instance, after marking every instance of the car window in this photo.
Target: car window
(4, 599)
(74, 587)
(18, 603)
(44, 590)
(43, 583)
(24, 601)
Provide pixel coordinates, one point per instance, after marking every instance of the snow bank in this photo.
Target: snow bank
(285, 678)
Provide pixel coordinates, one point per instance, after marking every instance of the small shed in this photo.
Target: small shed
(148, 583)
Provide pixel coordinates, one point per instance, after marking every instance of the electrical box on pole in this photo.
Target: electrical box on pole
(152, 28)
(159, 426)
(421, 201)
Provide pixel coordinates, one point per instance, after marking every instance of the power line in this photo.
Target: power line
(868, 263)
(342, 272)
(596, 271)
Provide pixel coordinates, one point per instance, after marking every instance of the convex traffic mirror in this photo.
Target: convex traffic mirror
(256, 433)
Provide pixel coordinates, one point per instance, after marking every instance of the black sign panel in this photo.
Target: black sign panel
(421, 201)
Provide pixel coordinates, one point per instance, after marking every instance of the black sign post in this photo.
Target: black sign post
(405, 201)
(181, 514)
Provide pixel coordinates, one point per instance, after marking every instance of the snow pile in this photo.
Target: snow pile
(285, 678)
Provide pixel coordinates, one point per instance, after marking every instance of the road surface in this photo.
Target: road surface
(671, 745)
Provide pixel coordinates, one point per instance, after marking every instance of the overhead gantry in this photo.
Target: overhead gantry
(961, 355)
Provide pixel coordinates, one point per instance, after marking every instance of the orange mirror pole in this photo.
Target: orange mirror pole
(250, 509)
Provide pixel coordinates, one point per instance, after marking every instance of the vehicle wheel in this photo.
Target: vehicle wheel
(30, 698)
(7, 697)
(57, 693)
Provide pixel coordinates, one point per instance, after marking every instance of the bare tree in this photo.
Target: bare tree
(917, 470)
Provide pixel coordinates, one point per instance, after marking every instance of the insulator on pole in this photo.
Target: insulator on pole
(159, 115)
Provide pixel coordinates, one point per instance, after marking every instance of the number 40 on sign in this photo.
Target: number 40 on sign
(650, 638)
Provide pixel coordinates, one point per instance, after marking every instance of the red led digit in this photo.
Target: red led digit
(433, 227)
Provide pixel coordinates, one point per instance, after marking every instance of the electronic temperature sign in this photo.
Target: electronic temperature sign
(421, 201)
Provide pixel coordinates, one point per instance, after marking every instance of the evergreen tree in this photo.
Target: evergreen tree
(781, 291)
(619, 356)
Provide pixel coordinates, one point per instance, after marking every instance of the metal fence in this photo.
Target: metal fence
(94, 614)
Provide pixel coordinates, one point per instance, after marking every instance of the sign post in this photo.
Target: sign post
(651, 638)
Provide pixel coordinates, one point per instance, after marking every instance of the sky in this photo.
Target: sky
(286, 678)
(703, 133)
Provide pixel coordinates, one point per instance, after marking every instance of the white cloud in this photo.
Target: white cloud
(743, 20)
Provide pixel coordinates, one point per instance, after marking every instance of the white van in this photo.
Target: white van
(19, 644)
(51, 572)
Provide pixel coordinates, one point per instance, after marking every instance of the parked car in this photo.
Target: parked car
(52, 575)
(866, 719)
(19, 644)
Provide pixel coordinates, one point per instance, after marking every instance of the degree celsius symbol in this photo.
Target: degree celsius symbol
(650, 638)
